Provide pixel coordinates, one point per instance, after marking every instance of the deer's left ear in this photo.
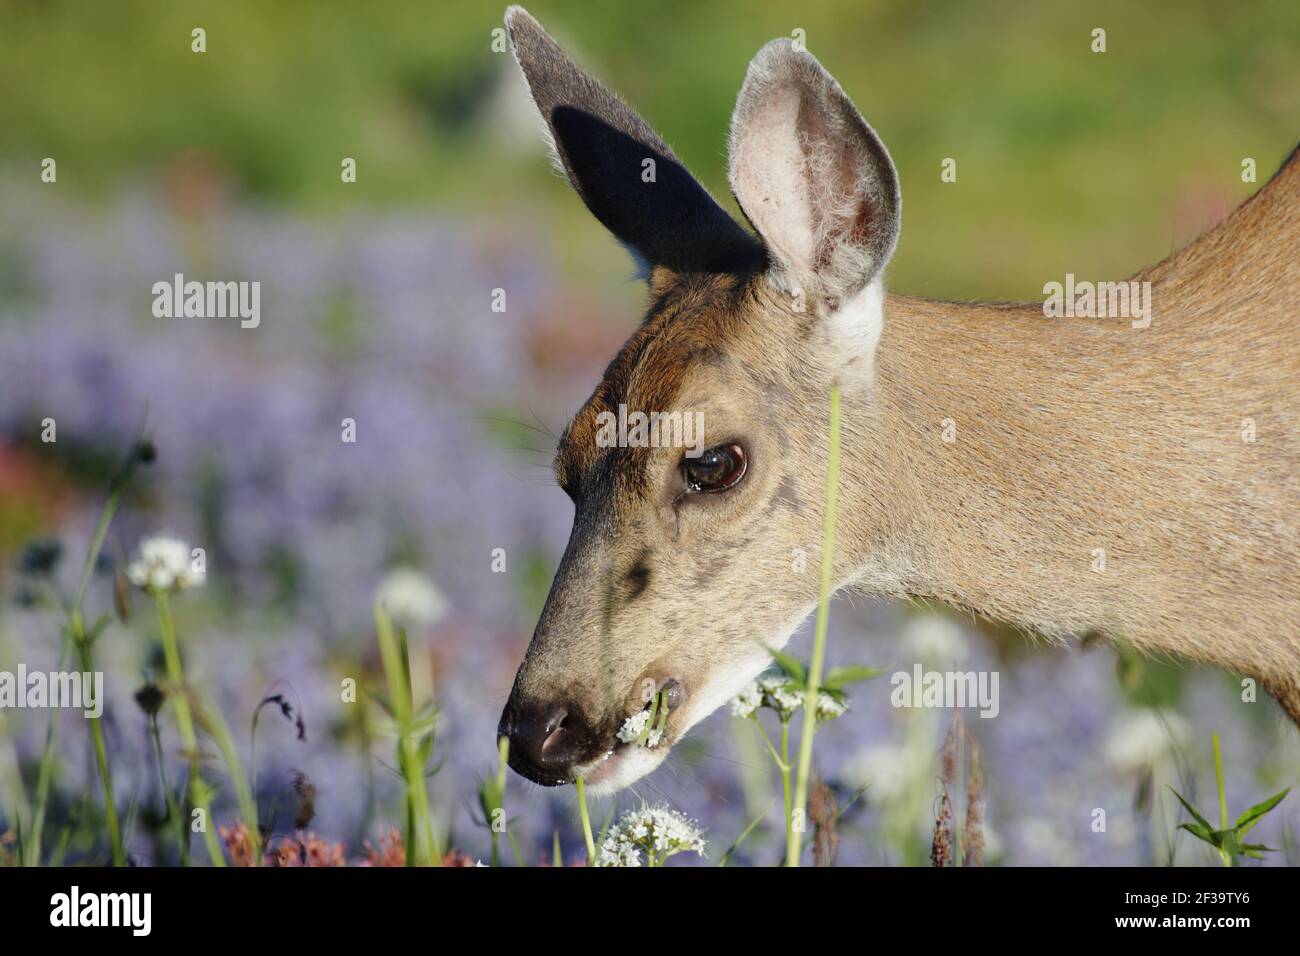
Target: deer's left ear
(812, 177)
(627, 176)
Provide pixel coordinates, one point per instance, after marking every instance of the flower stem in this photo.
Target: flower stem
(82, 642)
(793, 843)
(210, 718)
(76, 629)
(586, 821)
(1223, 795)
(200, 795)
(784, 765)
(44, 776)
(421, 845)
(503, 754)
(173, 809)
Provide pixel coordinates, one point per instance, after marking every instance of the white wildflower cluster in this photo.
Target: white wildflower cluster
(410, 598)
(747, 701)
(1143, 738)
(164, 564)
(934, 639)
(658, 832)
(828, 708)
(636, 724)
(779, 693)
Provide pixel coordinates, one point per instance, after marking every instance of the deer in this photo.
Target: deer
(1171, 447)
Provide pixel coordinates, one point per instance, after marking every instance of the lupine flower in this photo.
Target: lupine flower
(164, 565)
(410, 598)
(657, 832)
(40, 557)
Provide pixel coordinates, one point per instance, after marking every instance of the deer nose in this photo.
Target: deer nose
(546, 741)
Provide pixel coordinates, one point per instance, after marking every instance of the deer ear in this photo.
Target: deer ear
(627, 176)
(812, 177)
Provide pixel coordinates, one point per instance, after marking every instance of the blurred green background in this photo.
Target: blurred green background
(1068, 160)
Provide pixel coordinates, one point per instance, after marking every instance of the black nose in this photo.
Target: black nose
(546, 741)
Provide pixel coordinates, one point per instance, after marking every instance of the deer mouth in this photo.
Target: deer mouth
(621, 765)
(640, 745)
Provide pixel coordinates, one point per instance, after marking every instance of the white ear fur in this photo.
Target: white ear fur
(856, 325)
(768, 164)
(812, 177)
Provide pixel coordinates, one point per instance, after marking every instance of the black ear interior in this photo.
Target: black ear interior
(671, 221)
(603, 144)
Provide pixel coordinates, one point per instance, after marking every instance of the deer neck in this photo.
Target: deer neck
(969, 469)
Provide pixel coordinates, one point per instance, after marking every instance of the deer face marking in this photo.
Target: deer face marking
(683, 564)
(659, 536)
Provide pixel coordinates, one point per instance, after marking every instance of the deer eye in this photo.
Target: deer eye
(716, 469)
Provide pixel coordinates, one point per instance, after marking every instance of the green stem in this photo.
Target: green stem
(210, 718)
(421, 845)
(199, 793)
(173, 808)
(115, 490)
(784, 765)
(503, 754)
(101, 752)
(45, 775)
(76, 635)
(586, 821)
(793, 843)
(1223, 794)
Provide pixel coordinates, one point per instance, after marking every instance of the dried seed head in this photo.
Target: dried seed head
(973, 831)
(941, 845)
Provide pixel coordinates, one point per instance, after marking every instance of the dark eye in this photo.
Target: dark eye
(717, 469)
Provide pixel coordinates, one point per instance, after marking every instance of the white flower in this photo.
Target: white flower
(934, 639)
(888, 770)
(828, 708)
(747, 701)
(410, 598)
(656, 831)
(633, 726)
(164, 564)
(1141, 738)
(780, 694)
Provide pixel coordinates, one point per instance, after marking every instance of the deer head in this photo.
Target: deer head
(679, 572)
(1066, 476)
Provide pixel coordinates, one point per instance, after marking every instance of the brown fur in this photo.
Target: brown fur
(1075, 434)
(1071, 435)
